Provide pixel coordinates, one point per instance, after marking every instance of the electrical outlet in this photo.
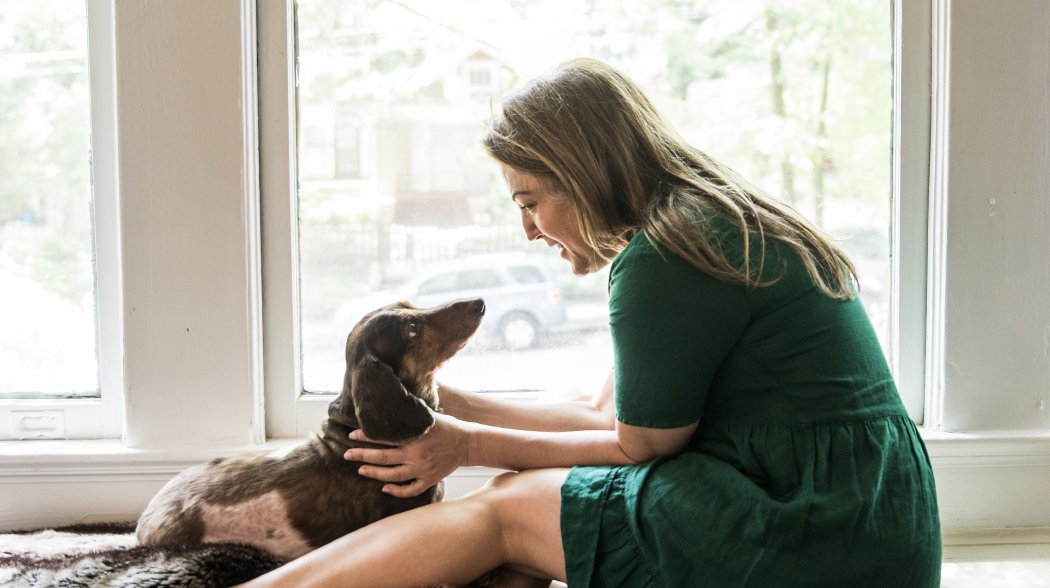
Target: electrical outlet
(38, 424)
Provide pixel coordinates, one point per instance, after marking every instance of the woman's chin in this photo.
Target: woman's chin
(582, 267)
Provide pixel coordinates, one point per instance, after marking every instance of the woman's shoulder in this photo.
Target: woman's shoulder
(645, 263)
(723, 237)
(644, 253)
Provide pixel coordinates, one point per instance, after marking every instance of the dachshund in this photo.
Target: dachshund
(291, 504)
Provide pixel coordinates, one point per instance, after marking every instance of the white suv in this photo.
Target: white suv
(522, 300)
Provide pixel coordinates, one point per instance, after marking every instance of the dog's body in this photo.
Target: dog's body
(291, 504)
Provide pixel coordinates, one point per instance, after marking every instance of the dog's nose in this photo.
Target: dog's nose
(479, 306)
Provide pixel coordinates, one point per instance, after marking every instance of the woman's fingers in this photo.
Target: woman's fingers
(407, 490)
(400, 473)
(397, 476)
(359, 435)
(417, 465)
(374, 456)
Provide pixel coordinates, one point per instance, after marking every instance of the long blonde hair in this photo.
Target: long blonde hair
(593, 135)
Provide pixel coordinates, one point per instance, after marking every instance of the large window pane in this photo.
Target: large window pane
(397, 199)
(47, 295)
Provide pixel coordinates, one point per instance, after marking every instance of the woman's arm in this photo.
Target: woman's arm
(487, 409)
(514, 449)
(451, 443)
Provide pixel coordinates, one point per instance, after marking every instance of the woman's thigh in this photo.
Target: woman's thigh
(527, 506)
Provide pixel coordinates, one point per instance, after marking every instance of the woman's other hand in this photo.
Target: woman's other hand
(418, 464)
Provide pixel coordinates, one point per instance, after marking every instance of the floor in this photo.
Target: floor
(996, 574)
(986, 574)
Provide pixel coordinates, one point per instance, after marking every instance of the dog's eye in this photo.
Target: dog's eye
(413, 329)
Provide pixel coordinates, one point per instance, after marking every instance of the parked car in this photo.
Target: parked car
(522, 300)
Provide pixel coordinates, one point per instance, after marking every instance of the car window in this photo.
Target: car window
(478, 279)
(526, 274)
(438, 284)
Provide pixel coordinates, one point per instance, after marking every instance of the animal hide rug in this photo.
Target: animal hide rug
(107, 556)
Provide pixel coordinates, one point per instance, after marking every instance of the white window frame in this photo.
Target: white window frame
(289, 415)
(911, 169)
(102, 416)
(192, 367)
(289, 411)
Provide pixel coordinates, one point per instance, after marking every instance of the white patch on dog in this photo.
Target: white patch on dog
(262, 521)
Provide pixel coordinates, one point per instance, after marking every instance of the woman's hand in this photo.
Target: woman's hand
(418, 464)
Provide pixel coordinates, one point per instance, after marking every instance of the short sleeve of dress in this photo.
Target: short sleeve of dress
(672, 326)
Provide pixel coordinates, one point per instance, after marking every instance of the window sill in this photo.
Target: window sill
(101, 456)
(943, 446)
(57, 482)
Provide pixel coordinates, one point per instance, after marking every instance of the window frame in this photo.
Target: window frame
(288, 415)
(101, 416)
(909, 237)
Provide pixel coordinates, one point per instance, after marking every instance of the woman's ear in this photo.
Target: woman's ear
(385, 410)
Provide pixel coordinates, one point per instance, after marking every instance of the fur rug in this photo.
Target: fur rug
(107, 556)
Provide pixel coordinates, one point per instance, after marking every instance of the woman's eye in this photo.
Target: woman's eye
(527, 207)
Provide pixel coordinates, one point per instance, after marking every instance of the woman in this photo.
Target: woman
(751, 433)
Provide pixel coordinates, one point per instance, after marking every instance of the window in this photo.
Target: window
(797, 98)
(479, 279)
(525, 274)
(46, 252)
(59, 262)
(480, 78)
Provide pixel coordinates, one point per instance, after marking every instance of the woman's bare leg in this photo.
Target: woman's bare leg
(507, 578)
(514, 520)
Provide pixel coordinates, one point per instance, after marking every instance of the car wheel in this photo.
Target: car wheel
(518, 330)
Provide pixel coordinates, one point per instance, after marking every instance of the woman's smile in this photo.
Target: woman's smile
(549, 216)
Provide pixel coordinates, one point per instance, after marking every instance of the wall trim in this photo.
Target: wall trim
(252, 213)
(937, 248)
(984, 482)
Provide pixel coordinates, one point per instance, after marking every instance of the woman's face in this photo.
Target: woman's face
(549, 216)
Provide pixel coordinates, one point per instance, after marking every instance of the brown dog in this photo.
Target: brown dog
(295, 503)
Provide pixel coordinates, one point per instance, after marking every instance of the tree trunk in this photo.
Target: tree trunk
(821, 161)
(776, 70)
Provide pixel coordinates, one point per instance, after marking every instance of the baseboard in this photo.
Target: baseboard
(1020, 544)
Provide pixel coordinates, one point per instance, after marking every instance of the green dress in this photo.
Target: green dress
(805, 469)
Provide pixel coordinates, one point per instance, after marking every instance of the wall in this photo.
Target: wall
(187, 215)
(997, 339)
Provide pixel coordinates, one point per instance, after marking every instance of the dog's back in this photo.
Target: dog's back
(286, 505)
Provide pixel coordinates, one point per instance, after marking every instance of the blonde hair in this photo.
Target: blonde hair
(593, 135)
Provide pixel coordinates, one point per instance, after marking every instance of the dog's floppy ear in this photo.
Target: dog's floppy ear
(386, 411)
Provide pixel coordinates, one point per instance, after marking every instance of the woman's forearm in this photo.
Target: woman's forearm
(531, 416)
(516, 449)
(539, 416)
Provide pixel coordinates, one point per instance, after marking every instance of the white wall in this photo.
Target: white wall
(997, 339)
(188, 214)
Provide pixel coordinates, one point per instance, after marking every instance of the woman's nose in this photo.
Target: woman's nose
(531, 232)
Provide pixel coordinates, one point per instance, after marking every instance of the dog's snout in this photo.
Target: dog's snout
(479, 306)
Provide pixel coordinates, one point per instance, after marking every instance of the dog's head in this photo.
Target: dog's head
(391, 356)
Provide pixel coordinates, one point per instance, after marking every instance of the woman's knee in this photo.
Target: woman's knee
(526, 506)
(524, 485)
